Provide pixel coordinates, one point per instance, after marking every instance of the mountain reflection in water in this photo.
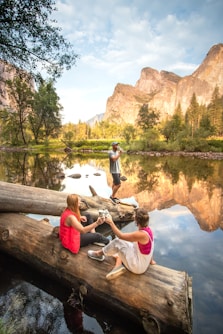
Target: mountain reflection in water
(183, 197)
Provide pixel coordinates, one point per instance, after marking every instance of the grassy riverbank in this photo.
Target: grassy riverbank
(188, 145)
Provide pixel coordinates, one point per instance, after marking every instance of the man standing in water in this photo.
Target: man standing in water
(115, 170)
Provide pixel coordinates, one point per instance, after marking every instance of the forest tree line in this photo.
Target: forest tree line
(36, 118)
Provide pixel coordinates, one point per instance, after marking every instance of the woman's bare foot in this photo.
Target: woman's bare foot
(152, 262)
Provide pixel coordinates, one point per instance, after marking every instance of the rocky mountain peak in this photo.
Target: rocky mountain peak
(152, 81)
(212, 66)
(164, 90)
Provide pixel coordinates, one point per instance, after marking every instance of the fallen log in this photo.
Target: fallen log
(25, 199)
(160, 299)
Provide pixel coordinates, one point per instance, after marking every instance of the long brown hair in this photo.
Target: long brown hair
(72, 204)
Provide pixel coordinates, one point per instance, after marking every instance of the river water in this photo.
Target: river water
(184, 199)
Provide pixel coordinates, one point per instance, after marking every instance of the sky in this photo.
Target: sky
(116, 39)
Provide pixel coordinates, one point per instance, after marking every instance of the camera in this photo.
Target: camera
(120, 149)
(103, 213)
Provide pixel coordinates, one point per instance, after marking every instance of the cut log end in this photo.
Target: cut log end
(5, 235)
(55, 231)
(151, 324)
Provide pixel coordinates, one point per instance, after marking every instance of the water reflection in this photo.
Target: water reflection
(180, 244)
(30, 303)
(155, 182)
(27, 168)
(30, 309)
(26, 307)
(91, 174)
(37, 170)
(159, 183)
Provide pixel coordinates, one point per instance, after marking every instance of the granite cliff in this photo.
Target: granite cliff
(8, 72)
(165, 90)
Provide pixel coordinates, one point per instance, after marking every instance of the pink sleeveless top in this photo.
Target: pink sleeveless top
(70, 238)
(146, 249)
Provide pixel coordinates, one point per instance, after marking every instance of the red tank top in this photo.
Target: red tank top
(145, 249)
(69, 236)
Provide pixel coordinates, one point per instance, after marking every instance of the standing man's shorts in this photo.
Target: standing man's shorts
(116, 179)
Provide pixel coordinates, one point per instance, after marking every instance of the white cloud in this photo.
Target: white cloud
(117, 38)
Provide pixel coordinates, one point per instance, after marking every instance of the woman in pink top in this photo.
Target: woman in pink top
(132, 251)
(77, 231)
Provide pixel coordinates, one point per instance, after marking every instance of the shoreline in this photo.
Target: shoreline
(201, 155)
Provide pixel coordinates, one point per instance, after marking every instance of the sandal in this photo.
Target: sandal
(115, 200)
(117, 271)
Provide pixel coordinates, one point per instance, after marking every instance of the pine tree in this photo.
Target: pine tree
(215, 110)
(147, 118)
(193, 115)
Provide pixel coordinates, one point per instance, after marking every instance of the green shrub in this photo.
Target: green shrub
(173, 146)
(216, 144)
(194, 145)
(159, 146)
(4, 329)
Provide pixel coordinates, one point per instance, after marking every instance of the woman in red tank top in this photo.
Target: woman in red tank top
(77, 231)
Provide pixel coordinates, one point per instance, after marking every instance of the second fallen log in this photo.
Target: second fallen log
(26, 199)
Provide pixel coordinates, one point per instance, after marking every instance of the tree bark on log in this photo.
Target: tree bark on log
(25, 199)
(160, 299)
